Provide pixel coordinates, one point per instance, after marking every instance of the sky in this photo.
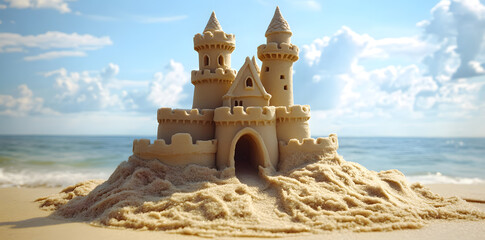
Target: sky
(401, 68)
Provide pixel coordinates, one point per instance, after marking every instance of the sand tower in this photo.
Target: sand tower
(215, 76)
(278, 56)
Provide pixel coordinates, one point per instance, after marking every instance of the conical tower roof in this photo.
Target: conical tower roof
(278, 24)
(213, 24)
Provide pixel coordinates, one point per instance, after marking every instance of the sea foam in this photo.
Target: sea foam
(57, 178)
(436, 178)
(42, 178)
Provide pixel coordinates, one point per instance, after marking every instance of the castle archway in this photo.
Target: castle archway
(248, 152)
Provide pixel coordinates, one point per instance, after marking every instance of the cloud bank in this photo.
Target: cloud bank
(76, 44)
(103, 91)
(23, 105)
(440, 86)
(59, 5)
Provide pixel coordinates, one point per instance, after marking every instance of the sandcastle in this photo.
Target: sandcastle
(187, 180)
(238, 116)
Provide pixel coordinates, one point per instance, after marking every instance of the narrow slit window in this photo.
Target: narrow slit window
(249, 82)
(221, 60)
(235, 103)
(285, 87)
(240, 103)
(267, 69)
(282, 76)
(206, 60)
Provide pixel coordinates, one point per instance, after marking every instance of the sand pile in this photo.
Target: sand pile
(328, 194)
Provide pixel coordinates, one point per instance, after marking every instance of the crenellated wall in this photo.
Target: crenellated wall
(248, 116)
(181, 151)
(199, 124)
(213, 44)
(274, 50)
(205, 75)
(215, 39)
(230, 123)
(292, 122)
(294, 152)
(211, 86)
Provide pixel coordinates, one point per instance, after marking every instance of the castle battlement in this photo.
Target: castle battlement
(180, 152)
(166, 115)
(321, 144)
(293, 113)
(214, 40)
(220, 75)
(250, 115)
(295, 153)
(274, 50)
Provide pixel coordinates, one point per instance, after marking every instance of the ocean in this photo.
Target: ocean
(55, 161)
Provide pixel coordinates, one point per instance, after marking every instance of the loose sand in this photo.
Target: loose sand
(21, 219)
(326, 195)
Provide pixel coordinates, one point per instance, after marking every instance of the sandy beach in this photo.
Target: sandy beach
(21, 218)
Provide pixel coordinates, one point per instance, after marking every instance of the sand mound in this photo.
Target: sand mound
(329, 194)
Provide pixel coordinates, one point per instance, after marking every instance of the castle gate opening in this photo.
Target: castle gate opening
(248, 152)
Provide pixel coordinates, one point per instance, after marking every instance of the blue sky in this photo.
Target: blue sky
(367, 68)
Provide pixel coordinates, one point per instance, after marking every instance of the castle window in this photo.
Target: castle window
(282, 76)
(206, 60)
(235, 103)
(221, 60)
(285, 87)
(267, 69)
(240, 103)
(249, 83)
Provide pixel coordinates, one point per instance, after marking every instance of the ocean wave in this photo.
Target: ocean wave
(457, 143)
(433, 178)
(33, 178)
(36, 178)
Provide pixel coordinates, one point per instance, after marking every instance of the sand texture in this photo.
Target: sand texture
(329, 194)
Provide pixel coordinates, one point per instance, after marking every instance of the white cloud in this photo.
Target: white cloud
(110, 71)
(84, 91)
(76, 43)
(352, 94)
(24, 104)
(3, 6)
(59, 5)
(346, 47)
(55, 54)
(412, 47)
(0, 21)
(166, 90)
(460, 25)
(103, 91)
(391, 89)
(51, 40)
(146, 19)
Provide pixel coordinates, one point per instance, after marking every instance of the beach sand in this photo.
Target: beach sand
(21, 218)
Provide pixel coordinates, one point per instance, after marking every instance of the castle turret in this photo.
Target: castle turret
(215, 76)
(278, 56)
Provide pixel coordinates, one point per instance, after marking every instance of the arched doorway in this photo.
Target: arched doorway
(247, 153)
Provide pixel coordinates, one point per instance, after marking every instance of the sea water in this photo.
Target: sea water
(53, 161)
